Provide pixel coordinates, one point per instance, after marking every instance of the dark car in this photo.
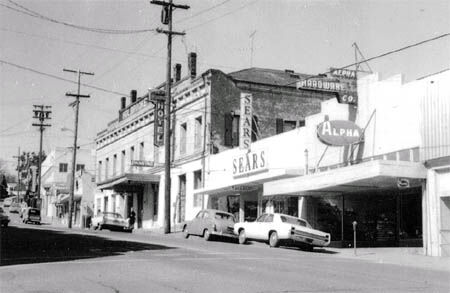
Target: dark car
(209, 223)
(31, 215)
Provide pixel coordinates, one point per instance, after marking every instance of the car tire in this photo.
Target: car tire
(242, 238)
(207, 235)
(274, 241)
(185, 232)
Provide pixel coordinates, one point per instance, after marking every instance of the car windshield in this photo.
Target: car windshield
(223, 216)
(34, 212)
(294, 221)
(113, 215)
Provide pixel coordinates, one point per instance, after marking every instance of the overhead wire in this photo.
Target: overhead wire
(24, 10)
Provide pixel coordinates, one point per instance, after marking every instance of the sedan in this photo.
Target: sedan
(209, 223)
(111, 221)
(279, 229)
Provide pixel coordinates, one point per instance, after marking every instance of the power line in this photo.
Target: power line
(386, 53)
(61, 78)
(24, 10)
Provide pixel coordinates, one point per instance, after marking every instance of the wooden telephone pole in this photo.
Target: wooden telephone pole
(41, 113)
(74, 153)
(166, 18)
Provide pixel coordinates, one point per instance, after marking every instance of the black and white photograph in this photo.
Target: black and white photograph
(248, 146)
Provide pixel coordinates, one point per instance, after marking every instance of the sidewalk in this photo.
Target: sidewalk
(402, 256)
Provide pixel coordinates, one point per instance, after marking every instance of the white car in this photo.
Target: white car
(281, 229)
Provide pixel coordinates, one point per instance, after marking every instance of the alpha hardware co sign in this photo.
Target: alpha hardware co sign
(339, 132)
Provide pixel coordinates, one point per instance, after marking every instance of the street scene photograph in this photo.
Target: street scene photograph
(260, 146)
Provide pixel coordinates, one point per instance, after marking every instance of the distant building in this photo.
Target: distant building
(205, 121)
(56, 178)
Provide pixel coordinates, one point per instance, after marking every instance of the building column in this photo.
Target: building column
(302, 207)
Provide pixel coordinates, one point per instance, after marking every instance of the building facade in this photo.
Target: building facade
(205, 121)
(381, 182)
(56, 178)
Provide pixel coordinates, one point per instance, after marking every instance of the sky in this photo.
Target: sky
(305, 36)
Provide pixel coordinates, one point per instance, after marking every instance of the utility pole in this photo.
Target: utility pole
(42, 113)
(74, 154)
(18, 174)
(166, 18)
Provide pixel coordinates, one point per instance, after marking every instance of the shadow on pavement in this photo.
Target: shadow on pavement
(25, 245)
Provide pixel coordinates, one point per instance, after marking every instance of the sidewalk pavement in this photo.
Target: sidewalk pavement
(402, 256)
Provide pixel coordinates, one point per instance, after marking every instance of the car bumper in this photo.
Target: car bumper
(307, 238)
(223, 234)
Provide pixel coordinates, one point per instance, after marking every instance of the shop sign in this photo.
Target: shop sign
(142, 163)
(343, 73)
(342, 82)
(158, 115)
(339, 132)
(245, 127)
(243, 188)
(402, 183)
(249, 163)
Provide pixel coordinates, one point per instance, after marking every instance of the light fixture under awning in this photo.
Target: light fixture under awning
(370, 175)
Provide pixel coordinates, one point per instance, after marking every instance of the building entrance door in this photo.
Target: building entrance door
(140, 208)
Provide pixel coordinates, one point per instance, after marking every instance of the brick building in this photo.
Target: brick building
(206, 111)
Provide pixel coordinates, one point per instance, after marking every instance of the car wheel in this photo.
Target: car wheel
(273, 239)
(185, 232)
(206, 235)
(242, 238)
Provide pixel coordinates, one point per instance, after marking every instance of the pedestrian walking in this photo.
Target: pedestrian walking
(132, 218)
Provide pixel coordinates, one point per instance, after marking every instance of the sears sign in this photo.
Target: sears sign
(338, 132)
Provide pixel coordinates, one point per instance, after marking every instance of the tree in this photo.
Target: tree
(3, 187)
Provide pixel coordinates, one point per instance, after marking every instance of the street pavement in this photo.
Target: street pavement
(53, 259)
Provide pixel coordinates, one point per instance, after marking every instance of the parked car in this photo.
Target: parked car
(111, 221)
(32, 215)
(279, 229)
(14, 207)
(8, 201)
(4, 219)
(209, 223)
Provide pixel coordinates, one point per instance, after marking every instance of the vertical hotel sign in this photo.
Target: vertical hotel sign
(245, 127)
(158, 97)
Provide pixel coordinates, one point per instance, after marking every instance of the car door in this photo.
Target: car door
(194, 225)
(265, 227)
(206, 222)
(252, 228)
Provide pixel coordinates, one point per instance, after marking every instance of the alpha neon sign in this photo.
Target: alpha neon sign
(339, 132)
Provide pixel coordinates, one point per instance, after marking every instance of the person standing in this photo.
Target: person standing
(131, 218)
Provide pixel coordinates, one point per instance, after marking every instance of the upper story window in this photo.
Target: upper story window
(114, 171)
(198, 133)
(286, 125)
(183, 138)
(232, 125)
(80, 167)
(99, 174)
(63, 167)
(106, 168)
(122, 162)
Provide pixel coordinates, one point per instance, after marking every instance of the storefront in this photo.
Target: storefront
(139, 191)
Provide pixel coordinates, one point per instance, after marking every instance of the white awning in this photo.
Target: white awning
(364, 176)
(247, 183)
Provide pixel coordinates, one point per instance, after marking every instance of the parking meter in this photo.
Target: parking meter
(354, 235)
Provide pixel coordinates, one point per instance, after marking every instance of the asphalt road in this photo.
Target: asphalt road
(45, 259)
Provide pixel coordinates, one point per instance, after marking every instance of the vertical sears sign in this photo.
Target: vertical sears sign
(245, 127)
(158, 97)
